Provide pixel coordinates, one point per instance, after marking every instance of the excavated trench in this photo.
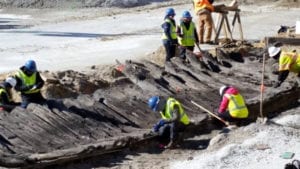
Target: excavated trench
(109, 117)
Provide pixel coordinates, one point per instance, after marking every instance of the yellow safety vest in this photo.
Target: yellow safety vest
(3, 91)
(171, 102)
(289, 61)
(172, 29)
(27, 81)
(188, 38)
(203, 4)
(236, 106)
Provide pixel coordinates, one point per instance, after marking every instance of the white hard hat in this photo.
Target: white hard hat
(273, 51)
(12, 81)
(222, 89)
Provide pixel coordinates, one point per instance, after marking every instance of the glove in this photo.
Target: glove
(33, 87)
(156, 128)
(277, 84)
(158, 125)
(161, 122)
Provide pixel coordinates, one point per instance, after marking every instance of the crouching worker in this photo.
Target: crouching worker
(232, 107)
(29, 83)
(288, 62)
(173, 122)
(6, 102)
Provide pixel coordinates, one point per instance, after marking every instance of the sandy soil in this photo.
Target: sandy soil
(80, 38)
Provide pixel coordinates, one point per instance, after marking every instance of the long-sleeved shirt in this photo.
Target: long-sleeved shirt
(22, 88)
(225, 101)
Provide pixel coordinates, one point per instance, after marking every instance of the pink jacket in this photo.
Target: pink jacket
(225, 100)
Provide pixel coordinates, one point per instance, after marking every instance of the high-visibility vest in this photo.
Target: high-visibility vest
(171, 102)
(203, 4)
(188, 38)
(172, 32)
(236, 106)
(289, 61)
(27, 81)
(2, 90)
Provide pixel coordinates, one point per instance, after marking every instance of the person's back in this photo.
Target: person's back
(6, 102)
(203, 9)
(232, 106)
(289, 61)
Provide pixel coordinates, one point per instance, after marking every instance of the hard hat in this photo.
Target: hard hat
(273, 51)
(222, 89)
(11, 81)
(186, 14)
(153, 102)
(170, 12)
(30, 65)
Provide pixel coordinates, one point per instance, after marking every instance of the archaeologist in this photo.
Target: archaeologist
(173, 119)
(6, 102)
(187, 34)
(169, 37)
(29, 83)
(232, 107)
(288, 62)
(203, 9)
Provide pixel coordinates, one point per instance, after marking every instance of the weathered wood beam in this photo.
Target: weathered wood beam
(295, 41)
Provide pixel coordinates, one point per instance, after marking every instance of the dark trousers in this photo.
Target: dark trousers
(169, 132)
(183, 49)
(170, 49)
(32, 98)
(227, 117)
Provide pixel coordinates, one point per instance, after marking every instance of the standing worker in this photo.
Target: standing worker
(288, 62)
(6, 102)
(203, 9)
(169, 37)
(232, 107)
(173, 121)
(187, 34)
(29, 83)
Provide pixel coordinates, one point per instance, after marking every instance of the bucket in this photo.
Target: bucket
(297, 27)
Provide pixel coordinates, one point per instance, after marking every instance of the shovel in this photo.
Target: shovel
(217, 117)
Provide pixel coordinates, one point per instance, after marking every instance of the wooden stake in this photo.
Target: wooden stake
(262, 88)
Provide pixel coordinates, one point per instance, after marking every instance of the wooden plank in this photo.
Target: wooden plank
(284, 40)
(54, 123)
(33, 129)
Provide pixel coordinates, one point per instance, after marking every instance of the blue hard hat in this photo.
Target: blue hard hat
(153, 102)
(30, 66)
(186, 14)
(170, 12)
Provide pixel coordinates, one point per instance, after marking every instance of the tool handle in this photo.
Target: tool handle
(217, 117)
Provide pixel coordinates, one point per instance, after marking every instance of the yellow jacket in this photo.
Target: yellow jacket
(289, 61)
(203, 4)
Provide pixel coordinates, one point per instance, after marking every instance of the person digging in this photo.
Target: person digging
(173, 120)
(232, 107)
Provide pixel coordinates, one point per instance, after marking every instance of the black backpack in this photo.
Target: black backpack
(294, 165)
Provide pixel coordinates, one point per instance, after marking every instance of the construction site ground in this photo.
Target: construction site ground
(102, 64)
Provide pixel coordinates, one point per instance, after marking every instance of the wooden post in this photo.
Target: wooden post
(262, 88)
